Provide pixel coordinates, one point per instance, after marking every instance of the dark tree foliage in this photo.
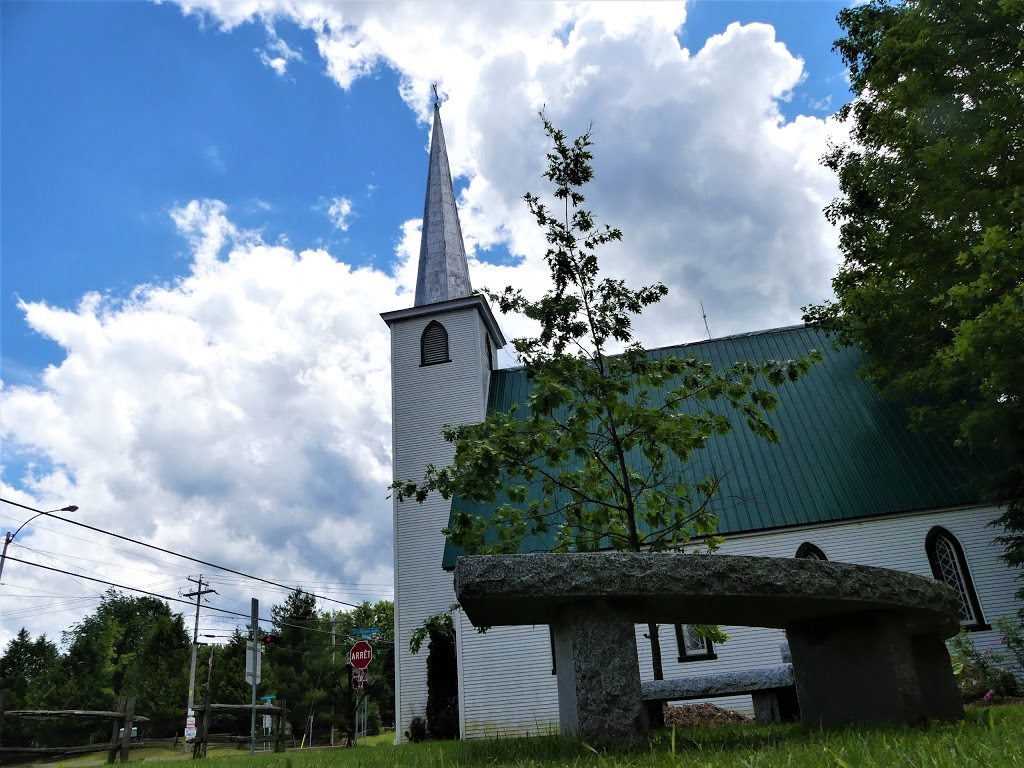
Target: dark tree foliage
(227, 681)
(931, 210)
(29, 676)
(294, 667)
(442, 684)
(381, 689)
(131, 646)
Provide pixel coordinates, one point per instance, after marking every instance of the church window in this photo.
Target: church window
(691, 646)
(434, 344)
(948, 563)
(808, 551)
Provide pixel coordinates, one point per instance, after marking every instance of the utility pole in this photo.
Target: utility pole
(255, 619)
(332, 680)
(198, 595)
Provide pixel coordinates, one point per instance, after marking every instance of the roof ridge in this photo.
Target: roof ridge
(746, 335)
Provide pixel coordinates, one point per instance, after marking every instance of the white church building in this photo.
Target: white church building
(849, 482)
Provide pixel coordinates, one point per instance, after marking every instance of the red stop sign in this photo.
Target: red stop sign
(360, 654)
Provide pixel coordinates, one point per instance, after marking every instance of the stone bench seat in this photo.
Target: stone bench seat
(763, 684)
(866, 642)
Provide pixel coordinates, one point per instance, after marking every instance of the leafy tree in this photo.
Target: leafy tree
(29, 672)
(130, 646)
(603, 435)
(380, 615)
(442, 682)
(931, 209)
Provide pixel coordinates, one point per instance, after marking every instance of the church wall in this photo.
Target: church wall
(508, 687)
(425, 398)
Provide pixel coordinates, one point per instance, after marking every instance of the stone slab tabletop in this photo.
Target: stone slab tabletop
(671, 588)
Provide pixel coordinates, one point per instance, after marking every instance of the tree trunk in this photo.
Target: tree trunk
(655, 710)
(652, 633)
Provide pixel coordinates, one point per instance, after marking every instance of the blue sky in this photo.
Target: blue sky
(186, 163)
(114, 112)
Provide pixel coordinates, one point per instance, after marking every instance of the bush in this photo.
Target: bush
(417, 730)
(442, 687)
(983, 674)
(1013, 638)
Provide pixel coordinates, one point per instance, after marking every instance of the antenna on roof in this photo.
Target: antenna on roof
(705, 316)
(437, 99)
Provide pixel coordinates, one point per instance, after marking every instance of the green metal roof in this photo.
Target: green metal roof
(844, 451)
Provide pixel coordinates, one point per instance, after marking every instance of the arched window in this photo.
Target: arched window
(808, 551)
(434, 344)
(946, 557)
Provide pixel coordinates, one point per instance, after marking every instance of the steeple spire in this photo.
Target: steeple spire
(443, 273)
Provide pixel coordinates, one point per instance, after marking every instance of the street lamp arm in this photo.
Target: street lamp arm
(69, 508)
(11, 536)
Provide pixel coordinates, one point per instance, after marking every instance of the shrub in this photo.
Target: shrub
(1013, 638)
(984, 673)
(417, 730)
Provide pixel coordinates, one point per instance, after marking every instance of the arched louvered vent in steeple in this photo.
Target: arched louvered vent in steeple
(434, 344)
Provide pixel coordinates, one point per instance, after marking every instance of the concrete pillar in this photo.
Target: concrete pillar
(938, 683)
(598, 676)
(856, 669)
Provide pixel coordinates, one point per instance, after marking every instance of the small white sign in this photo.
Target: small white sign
(248, 662)
(190, 722)
(190, 734)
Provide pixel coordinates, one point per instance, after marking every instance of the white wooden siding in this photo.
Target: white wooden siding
(424, 399)
(507, 686)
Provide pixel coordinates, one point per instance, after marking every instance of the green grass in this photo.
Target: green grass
(989, 737)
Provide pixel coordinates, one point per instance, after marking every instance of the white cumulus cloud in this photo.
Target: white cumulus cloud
(226, 415)
(242, 413)
(339, 210)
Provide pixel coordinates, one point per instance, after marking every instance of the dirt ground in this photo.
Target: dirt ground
(701, 714)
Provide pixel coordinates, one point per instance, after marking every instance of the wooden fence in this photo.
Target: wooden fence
(203, 737)
(120, 740)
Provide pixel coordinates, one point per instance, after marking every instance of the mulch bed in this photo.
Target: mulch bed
(688, 715)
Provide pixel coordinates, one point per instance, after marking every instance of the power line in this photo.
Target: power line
(275, 622)
(178, 554)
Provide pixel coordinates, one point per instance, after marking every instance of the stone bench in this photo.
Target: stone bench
(767, 686)
(866, 643)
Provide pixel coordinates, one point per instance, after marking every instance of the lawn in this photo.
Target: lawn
(989, 737)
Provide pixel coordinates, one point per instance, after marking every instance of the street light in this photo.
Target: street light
(10, 536)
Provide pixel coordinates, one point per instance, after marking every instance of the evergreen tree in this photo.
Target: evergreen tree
(29, 674)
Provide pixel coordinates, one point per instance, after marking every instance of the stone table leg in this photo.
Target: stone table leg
(598, 677)
(856, 669)
(938, 684)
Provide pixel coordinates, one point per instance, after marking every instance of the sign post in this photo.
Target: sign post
(359, 656)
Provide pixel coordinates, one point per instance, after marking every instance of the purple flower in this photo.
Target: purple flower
(988, 696)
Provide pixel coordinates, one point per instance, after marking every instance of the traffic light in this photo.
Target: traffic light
(271, 639)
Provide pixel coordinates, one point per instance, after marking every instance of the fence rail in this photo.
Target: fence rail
(120, 740)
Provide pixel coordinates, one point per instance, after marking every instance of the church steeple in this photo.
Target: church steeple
(443, 273)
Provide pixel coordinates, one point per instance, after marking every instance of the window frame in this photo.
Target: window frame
(809, 551)
(685, 654)
(423, 346)
(936, 534)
